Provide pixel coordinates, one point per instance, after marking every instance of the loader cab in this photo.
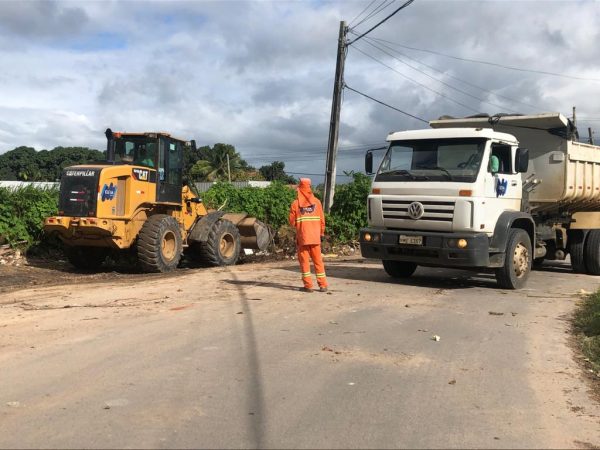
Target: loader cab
(158, 156)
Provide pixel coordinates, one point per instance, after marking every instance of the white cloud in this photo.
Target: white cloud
(259, 75)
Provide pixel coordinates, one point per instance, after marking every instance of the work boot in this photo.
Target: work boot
(305, 289)
(322, 289)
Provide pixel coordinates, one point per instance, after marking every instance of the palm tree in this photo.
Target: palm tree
(214, 166)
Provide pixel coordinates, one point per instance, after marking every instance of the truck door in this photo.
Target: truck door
(170, 157)
(503, 186)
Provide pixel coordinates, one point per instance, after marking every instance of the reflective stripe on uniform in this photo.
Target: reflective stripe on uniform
(305, 274)
(308, 219)
(321, 275)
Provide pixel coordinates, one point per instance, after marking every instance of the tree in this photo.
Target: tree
(213, 164)
(276, 172)
(25, 163)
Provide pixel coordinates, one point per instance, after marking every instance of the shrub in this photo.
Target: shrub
(270, 205)
(22, 213)
(587, 323)
(349, 209)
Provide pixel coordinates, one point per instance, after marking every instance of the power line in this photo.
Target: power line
(404, 5)
(385, 104)
(441, 94)
(382, 6)
(489, 63)
(535, 108)
(502, 108)
(362, 12)
(314, 174)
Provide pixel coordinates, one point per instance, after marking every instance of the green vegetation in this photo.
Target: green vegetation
(22, 213)
(23, 210)
(27, 164)
(349, 210)
(205, 164)
(275, 172)
(217, 163)
(587, 324)
(270, 204)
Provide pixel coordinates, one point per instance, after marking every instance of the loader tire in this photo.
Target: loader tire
(222, 247)
(159, 244)
(591, 252)
(86, 258)
(576, 239)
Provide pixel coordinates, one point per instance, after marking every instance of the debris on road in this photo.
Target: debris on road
(494, 313)
(13, 404)
(435, 338)
(452, 381)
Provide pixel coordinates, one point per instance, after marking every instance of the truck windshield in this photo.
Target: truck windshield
(432, 160)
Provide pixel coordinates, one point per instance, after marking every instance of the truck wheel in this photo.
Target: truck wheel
(159, 244)
(517, 263)
(86, 258)
(399, 269)
(222, 248)
(577, 240)
(591, 252)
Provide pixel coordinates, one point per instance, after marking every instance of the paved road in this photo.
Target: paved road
(237, 357)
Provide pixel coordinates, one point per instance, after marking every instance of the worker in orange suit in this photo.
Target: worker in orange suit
(306, 215)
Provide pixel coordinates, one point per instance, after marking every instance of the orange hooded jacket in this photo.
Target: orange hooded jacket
(306, 215)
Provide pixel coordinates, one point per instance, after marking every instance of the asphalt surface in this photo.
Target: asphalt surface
(239, 358)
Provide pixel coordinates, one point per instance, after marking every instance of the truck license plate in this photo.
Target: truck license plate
(410, 240)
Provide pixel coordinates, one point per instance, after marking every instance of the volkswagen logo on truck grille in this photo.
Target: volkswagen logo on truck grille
(416, 210)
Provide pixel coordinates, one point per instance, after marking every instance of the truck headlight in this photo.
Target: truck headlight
(462, 243)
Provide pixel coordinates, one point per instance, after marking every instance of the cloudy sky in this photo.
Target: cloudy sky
(259, 74)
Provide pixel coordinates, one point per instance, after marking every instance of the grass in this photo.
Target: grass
(587, 324)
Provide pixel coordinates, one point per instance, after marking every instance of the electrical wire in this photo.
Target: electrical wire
(489, 63)
(534, 108)
(362, 12)
(384, 104)
(441, 94)
(502, 108)
(404, 5)
(316, 174)
(382, 6)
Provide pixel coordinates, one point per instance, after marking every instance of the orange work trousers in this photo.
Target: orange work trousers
(305, 254)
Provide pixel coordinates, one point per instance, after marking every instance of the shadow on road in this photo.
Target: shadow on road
(423, 277)
(254, 389)
(262, 284)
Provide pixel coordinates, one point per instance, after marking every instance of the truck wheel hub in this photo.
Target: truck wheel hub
(521, 260)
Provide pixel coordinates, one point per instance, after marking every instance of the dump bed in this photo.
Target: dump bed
(569, 171)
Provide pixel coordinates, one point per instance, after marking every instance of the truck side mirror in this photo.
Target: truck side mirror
(522, 160)
(369, 163)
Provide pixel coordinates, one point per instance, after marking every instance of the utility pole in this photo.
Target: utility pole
(334, 124)
(574, 117)
(228, 169)
(591, 135)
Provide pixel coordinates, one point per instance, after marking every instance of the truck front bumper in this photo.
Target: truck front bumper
(436, 249)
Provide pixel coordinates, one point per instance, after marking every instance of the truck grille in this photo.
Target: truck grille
(78, 192)
(435, 211)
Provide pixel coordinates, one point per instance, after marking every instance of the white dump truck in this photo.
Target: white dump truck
(498, 193)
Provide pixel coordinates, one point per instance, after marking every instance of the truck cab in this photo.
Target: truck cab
(449, 197)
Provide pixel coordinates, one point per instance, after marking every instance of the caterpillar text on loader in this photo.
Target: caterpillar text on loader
(138, 199)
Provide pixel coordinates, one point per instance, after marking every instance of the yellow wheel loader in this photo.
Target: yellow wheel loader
(138, 200)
